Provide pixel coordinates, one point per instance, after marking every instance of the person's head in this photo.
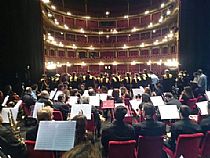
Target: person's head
(209, 107)
(116, 93)
(45, 114)
(168, 96)
(81, 122)
(147, 90)
(44, 94)
(1, 120)
(145, 98)
(166, 71)
(86, 150)
(28, 90)
(61, 87)
(120, 113)
(61, 98)
(91, 92)
(184, 111)
(148, 110)
(200, 71)
(188, 92)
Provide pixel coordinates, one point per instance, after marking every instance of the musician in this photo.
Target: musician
(44, 114)
(28, 98)
(10, 144)
(115, 81)
(74, 82)
(147, 77)
(128, 81)
(184, 126)
(89, 81)
(105, 81)
(118, 130)
(205, 123)
(136, 81)
(167, 81)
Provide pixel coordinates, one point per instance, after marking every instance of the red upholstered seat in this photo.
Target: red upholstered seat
(147, 143)
(57, 116)
(122, 149)
(205, 146)
(187, 146)
(31, 153)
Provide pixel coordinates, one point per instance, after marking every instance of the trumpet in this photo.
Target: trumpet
(14, 127)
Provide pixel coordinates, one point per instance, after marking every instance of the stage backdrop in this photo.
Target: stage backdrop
(21, 44)
(195, 35)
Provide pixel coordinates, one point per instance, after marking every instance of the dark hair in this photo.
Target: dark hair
(80, 135)
(188, 92)
(149, 109)
(120, 113)
(60, 97)
(185, 111)
(208, 104)
(145, 97)
(168, 95)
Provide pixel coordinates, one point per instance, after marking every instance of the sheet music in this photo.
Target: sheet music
(137, 91)
(203, 107)
(169, 112)
(55, 135)
(208, 95)
(38, 106)
(94, 100)
(86, 93)
(5, 100)
(135, 103)
(157, 100)
(108, 104)
(193, 117)
(110, 92)
(57, 94)
(18, 104)
(72, 100)
(119, 104)
(84, 108)
(103, 96)
(5, 111)
(52, 93)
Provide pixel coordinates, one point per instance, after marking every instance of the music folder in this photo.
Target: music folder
(84, 109)
(203, 107)
(157, 100)
(94, 100)
(55, 135)
(135, 103)
(37, 107)
(108, 104)
(168, 112)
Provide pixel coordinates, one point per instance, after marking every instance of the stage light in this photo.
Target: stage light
(49, 15)
(133, 29)
(51, 66)
(161, 19)
(154, 31)
(101, 63)
(125, 46)
(91, 47)
(149, 62)
(114, 63)
(82, 30)
(146, 12)
(159, 62)
(53, 7)
(68, 64)
(100, 32)
(162, 5)
(142, 45)
(87, 17)
(68, 13)
(125, 16)
(66, 27)
(150, 25)
(168, 12)
(74, 46)
(107, 13)
(156, 42)
(107, 36)
(114, 31)
(133, 63)
(83, 64)
(60, 44)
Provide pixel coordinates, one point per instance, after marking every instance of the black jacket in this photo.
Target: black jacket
(117, 131)
(205, 124)
(184, 126)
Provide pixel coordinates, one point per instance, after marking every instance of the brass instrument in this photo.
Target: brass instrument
(15, 129)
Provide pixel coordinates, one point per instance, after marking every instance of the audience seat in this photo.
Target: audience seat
(146, 143)
(187, 146)
(57, 116)
(204, 151)
(31, 153)
(122, 149)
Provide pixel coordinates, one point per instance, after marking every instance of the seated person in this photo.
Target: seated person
(149, 127)
(44, 98)
(10, 144)
(43, 115)
(205, 123)
(170, 100)
(84, 147)
(187, 94)
(61, 106)
(184, 126)
(28, 98)
(118, 130)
